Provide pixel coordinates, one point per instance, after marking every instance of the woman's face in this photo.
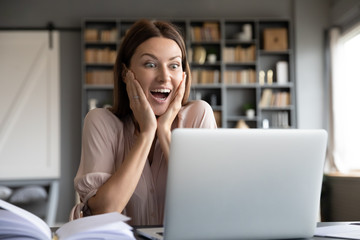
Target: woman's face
(157, 66)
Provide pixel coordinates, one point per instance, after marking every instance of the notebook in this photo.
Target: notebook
(237, 183)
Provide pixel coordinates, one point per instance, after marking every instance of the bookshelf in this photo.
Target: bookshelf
(236, 65)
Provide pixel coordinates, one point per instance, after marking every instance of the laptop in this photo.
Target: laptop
(242, 184)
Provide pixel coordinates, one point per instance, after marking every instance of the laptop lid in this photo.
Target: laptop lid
(236, 183)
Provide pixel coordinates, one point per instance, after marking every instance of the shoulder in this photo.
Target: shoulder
(196, 107)
(102, 118)
(100, 114)
(197, 114)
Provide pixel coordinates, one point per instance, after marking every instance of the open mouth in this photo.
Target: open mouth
(160, 94)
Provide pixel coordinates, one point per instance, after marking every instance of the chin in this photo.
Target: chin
(158, 112)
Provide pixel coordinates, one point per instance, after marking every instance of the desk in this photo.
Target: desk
(320, 224)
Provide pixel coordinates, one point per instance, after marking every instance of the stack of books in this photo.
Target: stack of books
(274, 99)
(208, 32)
(96, 55)
(96, 35)
(245, 76)
(100, 77)
(200, 76)
(239, 54)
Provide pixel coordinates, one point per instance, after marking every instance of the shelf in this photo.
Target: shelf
(241, 86)
(99, 43)
(288, 108)
(239, 64)
(45, 209)
(266, 52)
(203, 86)
(98, 87)
(205, 42)
(206, 64)
(108, 65)
(240, 42)
(238, 118)
(277, 85)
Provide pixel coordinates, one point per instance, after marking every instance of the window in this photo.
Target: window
(346, 101)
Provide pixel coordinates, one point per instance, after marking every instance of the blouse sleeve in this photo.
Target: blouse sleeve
(197, 114)
(98, 154)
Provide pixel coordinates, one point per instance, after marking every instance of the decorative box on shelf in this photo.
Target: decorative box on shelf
(275, 39)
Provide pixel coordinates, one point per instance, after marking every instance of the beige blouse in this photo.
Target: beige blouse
(105, 142)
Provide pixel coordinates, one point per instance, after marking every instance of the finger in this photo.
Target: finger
(183, 82)
(130, 84)
(175, 104)
(129, 76)
(138, 91)
(180, 91)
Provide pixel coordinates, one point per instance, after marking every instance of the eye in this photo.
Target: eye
(174, 65)
(150, 65)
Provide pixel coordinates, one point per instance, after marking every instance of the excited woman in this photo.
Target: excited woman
(125, 150)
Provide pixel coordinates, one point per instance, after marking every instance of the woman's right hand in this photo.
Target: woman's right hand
(143, 113)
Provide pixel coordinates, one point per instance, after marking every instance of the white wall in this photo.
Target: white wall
(310, 22)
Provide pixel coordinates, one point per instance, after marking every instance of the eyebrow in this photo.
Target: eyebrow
(153, 56)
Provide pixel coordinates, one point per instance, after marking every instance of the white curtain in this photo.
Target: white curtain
(344, 111)
(333, 36)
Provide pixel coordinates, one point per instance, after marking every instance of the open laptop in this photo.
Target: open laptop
(243, 184)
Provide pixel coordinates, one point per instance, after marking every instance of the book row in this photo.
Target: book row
(279, 120)
(205, 76)
(270, 98)
(239, 54)
(100, 35)
(100, 77)
(240, 76)
(209, 31)
(95, 55)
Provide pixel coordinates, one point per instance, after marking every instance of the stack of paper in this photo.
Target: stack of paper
(345, 231)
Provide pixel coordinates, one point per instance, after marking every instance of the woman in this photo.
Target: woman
(125, 151)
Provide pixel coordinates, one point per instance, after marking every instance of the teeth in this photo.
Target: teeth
(161, 90)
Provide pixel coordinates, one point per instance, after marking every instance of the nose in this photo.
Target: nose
(164, 74)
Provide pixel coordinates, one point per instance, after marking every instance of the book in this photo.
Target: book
(266, 98)
(17, 223)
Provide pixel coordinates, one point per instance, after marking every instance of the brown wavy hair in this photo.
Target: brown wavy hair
(139, 32)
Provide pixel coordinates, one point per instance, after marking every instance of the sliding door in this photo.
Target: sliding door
(29, 105)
